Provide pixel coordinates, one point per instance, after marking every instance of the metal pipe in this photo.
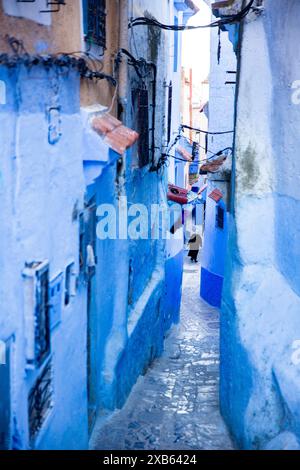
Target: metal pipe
(154, 86)
(191, 101)
(123, 44)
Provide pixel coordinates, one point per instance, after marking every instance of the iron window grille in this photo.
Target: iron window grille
(37, 312)
(40, 401)
(42, 327)
(140, 98)
(94, 14)
(220, 215)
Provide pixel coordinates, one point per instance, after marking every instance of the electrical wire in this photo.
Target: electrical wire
(208, 159)
(109, 110)
(191, 142)
(141, 66)
(87, 65)
(178, 137)
(225, 20)
(165, 162)
(200, 131)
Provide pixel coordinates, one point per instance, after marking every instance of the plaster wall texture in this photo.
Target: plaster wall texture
(130, 289)
(47, 183)
(260, 375)
(221, 119)
(61, 32)
(40, 185)
(221, 95)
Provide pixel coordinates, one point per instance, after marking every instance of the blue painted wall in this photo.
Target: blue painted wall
(213, 253)
(129, 332)
(260, 385)
(40, 185)
(46, 157)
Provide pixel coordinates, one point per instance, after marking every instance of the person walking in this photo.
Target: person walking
(194, 244)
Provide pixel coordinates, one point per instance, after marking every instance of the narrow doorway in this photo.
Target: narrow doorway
(88, 250)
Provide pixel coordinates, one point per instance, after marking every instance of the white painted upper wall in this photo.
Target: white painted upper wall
(222, 96)
(31, 11)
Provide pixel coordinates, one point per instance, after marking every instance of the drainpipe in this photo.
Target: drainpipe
(123, 70)
(191, 102)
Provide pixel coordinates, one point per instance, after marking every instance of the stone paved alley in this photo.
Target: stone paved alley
(175, 405)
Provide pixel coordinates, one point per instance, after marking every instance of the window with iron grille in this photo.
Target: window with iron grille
(40, 401)
(42, 315)
(36, 312)
(94, 16)
(140, 100)
(220, 217)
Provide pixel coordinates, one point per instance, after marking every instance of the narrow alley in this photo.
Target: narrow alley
(175, 405)
(137, 137)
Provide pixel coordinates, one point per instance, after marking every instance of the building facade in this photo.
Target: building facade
(83, 125)
(260, 310)
(221, 119)
(178, 169)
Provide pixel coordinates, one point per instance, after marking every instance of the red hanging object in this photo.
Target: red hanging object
(177, 194)
(216, 195)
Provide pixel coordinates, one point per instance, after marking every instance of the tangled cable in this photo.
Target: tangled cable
(164, 159)
(87, 65)
(225, 20)
(142, 68)
(165, 156)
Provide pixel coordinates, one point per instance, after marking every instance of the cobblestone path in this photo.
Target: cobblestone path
(175, 405)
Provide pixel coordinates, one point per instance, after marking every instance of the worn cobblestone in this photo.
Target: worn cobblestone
(175, 405)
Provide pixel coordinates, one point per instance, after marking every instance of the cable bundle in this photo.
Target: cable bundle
(225, 20)
(85, 63)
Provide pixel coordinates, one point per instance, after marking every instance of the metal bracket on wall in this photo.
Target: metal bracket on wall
(54, 125)
(52, 5)
(230, 82)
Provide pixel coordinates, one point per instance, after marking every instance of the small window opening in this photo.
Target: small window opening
(94, 14)
(220, 215)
